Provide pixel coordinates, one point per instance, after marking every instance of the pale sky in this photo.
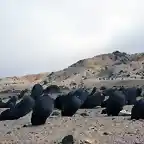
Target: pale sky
(49, 35)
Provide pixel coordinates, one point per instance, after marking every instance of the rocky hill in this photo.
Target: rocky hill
(111, 66)
(116, 65)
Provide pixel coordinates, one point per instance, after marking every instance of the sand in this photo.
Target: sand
(93, 128)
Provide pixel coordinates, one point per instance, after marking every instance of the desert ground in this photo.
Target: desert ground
(88, 126)
(92, 128)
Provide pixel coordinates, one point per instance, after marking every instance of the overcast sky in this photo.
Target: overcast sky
(48, 35)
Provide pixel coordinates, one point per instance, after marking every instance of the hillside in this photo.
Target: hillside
(111, 66)
(18, 83)
(116, 65)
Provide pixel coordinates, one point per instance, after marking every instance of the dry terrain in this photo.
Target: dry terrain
(111, 66)
(87, 126)
(16, 84)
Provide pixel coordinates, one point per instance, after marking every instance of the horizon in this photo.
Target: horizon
(64, 67)
(46, 36)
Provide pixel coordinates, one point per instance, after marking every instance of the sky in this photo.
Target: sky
(49, 35)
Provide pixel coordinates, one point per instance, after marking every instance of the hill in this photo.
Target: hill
(18, 83)
(111, 66)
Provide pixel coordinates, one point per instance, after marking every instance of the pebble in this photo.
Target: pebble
(68, 140)
(106, 133)
(9, 132)
(88, 141)
(84, 114)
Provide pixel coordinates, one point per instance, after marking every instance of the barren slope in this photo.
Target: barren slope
(18, 83)
(116, 65)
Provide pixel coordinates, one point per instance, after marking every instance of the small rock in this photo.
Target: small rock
(101, 125)
(88, 141)
(24, 125)
(84, 114)
(9, 132)
(68, 140)
(106, 133)
(92, 129)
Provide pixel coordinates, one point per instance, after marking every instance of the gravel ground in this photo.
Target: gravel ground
(87, 126)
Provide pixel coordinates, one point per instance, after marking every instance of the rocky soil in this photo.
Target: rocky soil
(87, 126)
